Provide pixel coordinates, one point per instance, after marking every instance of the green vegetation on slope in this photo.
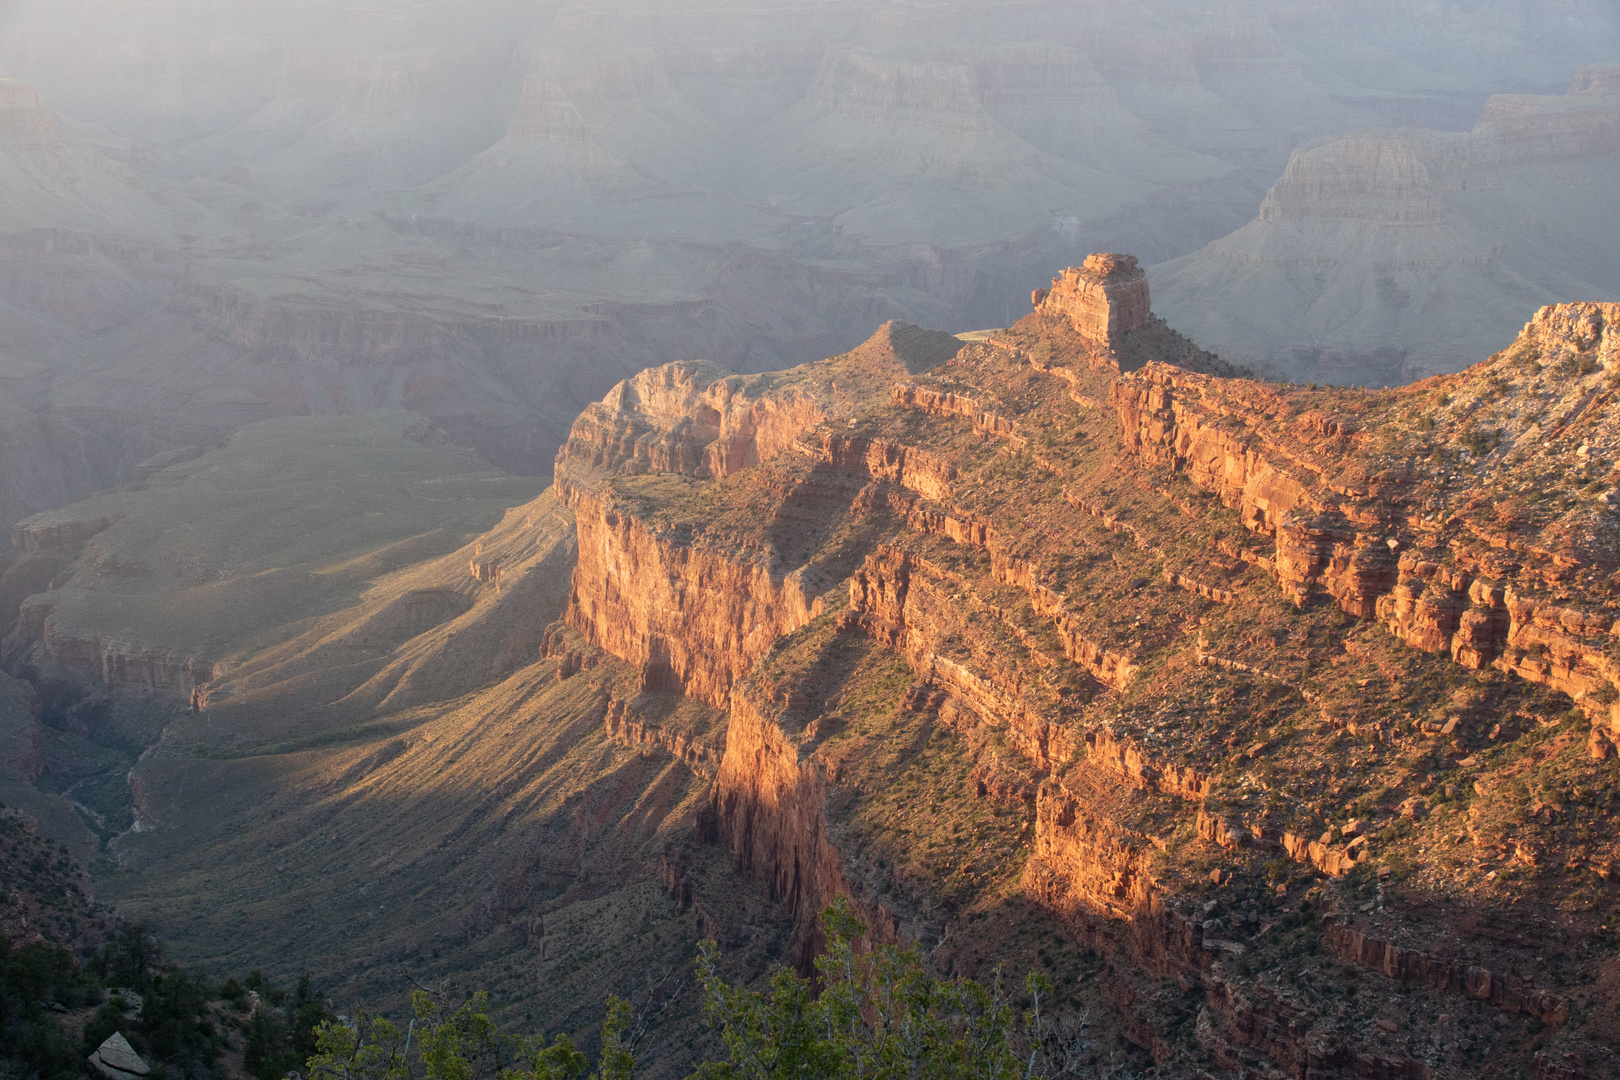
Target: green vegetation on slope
(877, 1013)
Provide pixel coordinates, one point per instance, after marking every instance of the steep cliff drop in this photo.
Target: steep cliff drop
(1241, 685)
(1275, 725)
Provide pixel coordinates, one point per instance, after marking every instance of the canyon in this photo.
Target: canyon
(1275, 724)
(1384, 256)
(491, 214)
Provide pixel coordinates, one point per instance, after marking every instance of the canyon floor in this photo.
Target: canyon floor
(1277, 724)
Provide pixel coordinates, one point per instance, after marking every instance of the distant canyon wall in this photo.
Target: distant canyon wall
(491, 215)
(1380, 257)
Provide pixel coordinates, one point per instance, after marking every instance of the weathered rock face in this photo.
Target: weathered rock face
(689, 619)
(1103, 298)
(1517, 128)
(768, 809)
(1358, 178)
(692, 418)
(121, 665)
(1087, 859)
(1450, 976)
(1374, 535)
(697, 615)
(1077, 570)
(1161, 420)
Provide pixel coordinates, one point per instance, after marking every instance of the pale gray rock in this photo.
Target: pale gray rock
(115, 1059)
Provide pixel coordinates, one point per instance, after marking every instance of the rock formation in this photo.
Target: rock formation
(1103, 299)
(1077, 559)
(1372, 534)
(115, 1059)
(1383, 256)
(1275, 724)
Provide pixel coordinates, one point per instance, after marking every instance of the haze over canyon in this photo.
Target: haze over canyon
(217, 212)
(497, 493)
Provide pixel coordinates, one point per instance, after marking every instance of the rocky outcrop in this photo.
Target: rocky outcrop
(1128, 760)
(768, 809)
(1365, 536)
(691, 418)
(64, 531)
(697, 419)
(1055, 589)
(1085, 859)
(693, 611)
(627, 727)
(124, 665)
(115, 1059)
(1165, 418)
(908, 602)
(689, 617)
(910, 605)
(1335, 861)
(1450, 976)
(1520, 128)
(951, 404)
(1102, 299)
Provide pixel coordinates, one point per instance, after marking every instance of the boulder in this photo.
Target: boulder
(117, 1060)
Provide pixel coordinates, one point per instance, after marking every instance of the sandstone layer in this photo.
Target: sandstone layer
(1179, 626)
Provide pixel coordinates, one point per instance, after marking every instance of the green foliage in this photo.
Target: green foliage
(175, 1031)
(30, 977)
(281, 1032)
(132, 958)
(176, 1022)
(1578, 366)
(617, 1059)
(1481, 442)
(461, 1044)
(879, 1014)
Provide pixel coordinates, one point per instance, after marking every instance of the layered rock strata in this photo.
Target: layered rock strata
(1102, 299)
(1383, 256)
(1455, 563)
(1077, 556)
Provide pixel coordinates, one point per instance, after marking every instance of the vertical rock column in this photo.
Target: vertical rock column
(1102, 298)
